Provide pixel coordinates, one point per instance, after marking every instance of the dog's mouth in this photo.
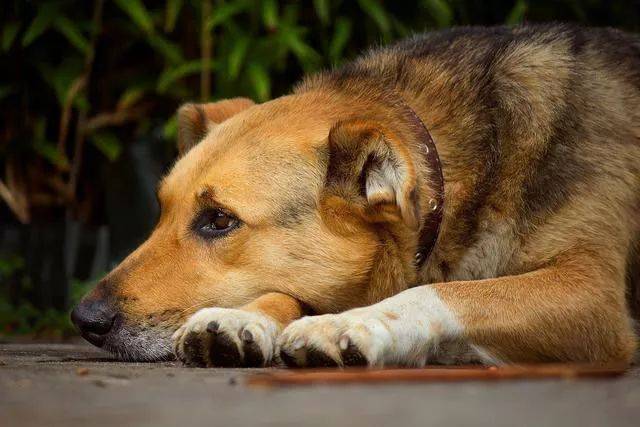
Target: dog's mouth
(135, 343)
(141, 345)
(142, 337)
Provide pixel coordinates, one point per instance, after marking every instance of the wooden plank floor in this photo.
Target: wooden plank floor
(76, 385)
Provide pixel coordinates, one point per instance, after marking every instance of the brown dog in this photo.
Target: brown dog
(318, 202)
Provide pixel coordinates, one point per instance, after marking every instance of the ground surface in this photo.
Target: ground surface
(76, 385)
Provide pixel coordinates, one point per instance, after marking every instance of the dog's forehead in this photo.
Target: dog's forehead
(264, 157)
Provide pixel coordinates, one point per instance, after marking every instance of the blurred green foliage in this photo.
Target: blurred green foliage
(23, 317)
(81, 79)
(110, 57)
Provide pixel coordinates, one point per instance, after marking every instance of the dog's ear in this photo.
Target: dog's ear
(195, 120)
(371, 167)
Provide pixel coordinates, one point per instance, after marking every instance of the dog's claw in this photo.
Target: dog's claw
(213, 326)
(344, 342)
(246, 336)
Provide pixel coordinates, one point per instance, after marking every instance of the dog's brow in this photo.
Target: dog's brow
(206, 196)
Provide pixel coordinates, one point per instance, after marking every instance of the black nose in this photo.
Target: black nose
(94, 318)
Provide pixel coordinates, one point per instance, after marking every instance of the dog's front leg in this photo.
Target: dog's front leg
(236, 337)
(571, 312)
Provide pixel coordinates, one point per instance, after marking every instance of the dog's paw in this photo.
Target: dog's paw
(223, 337)
(353, 338)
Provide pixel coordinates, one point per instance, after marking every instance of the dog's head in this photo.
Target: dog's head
(286, 196)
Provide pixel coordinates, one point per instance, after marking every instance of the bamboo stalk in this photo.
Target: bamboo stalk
(7, 195)
(76, 87)
(115, 118)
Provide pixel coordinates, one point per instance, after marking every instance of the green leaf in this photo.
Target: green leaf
(138, 13)
(270, 13)
(292, 38)
(51, 153)
(171, 75)
(173, 10)
(61, 77)
(130, 97)
(341, 35)
(376, 11)
(40, 24)
(237, 55)
(399, 28)
(45, 148)
(260, 81)
(9, 34)
(225, 11)
(516, 16)
(322, 10)
(169, 50)
(170, 129)
(108, 144)
(70, 30)
(440, 11)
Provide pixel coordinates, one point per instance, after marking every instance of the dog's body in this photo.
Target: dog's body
(538, 133)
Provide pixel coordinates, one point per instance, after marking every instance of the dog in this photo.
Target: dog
(462, 196)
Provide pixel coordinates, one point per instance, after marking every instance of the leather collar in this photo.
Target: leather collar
(430, 228)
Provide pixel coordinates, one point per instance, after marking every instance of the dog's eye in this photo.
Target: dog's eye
(215, 222)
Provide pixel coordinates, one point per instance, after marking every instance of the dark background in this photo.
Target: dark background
(87, 95)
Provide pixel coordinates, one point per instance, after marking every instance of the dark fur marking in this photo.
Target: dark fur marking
(223, 351)
(252, 355)
(294, 212)
(193, 351)
(318, 359)
(352, 356)
(288, 360)
(557, 173)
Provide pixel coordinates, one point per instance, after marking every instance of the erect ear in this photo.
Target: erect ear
(370, 166)
(195, 120)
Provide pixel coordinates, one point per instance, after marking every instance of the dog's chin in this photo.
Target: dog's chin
(140, 345)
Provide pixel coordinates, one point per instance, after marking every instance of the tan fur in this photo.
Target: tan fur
(280, 307)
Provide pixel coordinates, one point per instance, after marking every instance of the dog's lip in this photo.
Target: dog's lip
(95, 339)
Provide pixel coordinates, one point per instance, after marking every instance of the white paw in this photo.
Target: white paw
(403, 330)
(361, 337)
(226, 337)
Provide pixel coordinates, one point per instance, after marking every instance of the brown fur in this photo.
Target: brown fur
(538, 130)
